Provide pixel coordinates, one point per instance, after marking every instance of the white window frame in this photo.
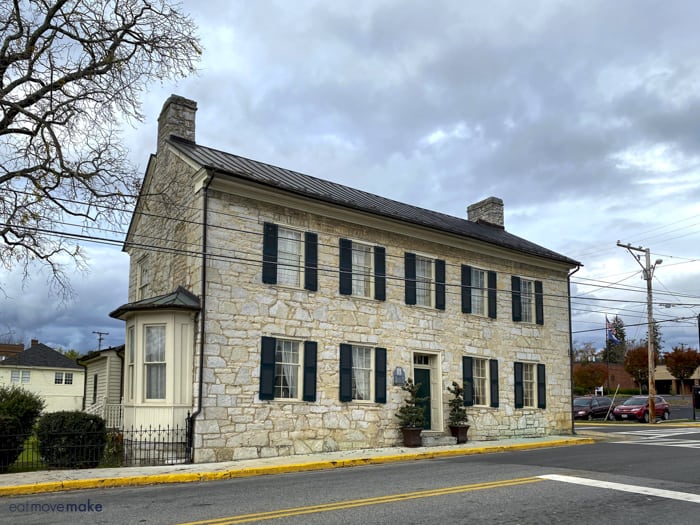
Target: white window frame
(289, 263)
(130, 358)
(14, 376)
(143, 278)
(362, 271)
(68, 378)
(529, 385)
(285, 367)
(26, 376)
(362, 373)
(58, 378)
(481, 381)
(151, 362)
(479, 289)
(527, 300)
(425, 280)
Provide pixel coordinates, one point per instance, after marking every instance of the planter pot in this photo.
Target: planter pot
(411, 436)
(460, 432)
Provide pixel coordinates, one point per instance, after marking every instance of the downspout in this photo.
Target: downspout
(571, 350)
(202, 318)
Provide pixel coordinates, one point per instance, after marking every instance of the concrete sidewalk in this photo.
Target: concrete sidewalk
(62, 480)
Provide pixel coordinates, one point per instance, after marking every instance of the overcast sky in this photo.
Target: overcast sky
(582, 116)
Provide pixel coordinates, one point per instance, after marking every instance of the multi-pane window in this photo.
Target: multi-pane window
(529, 384)
(481, 381)
(478, 291)
(361, 373)
(527, 300)
(58, 378)
(287, 367)
(26, 376)
(14, 376)
(361, 269)
(143, 278)
(424, 281)
(130, 363)
(61, 378)
(154, 361)
(68, 378)
(289, 257)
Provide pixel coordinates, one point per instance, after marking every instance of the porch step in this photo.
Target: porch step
(437, 439)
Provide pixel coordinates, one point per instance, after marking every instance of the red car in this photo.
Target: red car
(637, 407)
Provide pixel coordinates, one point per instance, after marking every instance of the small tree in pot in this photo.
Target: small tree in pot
(458, 414)
(411, 416)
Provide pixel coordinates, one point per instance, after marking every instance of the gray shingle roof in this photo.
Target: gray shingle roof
(331, 192)
(41, 355)
(180, 299)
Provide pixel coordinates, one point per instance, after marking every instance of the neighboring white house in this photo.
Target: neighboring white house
(103, 384)
(44, 371)
(282, 311)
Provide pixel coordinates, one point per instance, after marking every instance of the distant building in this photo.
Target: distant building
(9, 350)
(103, 384)
(44, 371)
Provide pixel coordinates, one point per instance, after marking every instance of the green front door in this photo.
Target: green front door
(422, 377)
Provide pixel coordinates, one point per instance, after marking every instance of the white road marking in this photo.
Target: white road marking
(634, 489)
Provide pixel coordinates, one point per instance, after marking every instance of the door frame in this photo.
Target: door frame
(431, 361)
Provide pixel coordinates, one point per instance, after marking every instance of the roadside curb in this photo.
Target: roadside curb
(188, 477)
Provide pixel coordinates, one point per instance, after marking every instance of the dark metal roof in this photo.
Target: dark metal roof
(180, 299)
(41, 355)
(340, 195)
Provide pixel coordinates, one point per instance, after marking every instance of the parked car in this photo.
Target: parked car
(637, 407)
(590, 407)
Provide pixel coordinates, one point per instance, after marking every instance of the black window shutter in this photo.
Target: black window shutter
(539, 303)
(410, 277)
(492, 294)
(311, 261)
(345, 372)
(380, 375)
(439, 284)
(468, 380)
(379, 273)
(519, 398)
(309, 393)
(269, 273)
(517, 306)
(466, 289)
(345, 267)
(541, 387)
(493, 380)
(267, 368)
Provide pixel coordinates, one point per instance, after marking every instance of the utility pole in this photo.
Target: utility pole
(99, 339)
(648, 270)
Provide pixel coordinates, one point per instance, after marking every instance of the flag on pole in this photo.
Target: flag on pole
(610, 332)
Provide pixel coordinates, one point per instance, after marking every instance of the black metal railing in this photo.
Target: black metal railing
(125, 447)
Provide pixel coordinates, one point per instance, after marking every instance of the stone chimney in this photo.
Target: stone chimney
(35, 342)
(177, 118)
(488, 211)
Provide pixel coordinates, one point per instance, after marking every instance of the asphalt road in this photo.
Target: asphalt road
(642, 474)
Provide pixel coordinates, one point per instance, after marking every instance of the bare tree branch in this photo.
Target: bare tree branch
(70, 72)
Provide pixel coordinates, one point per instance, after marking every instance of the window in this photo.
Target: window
(287, 372)
(142, 278)
(478, 291)
(425, 281)
(527, 300)
(362, 373)
(480, 378)
(94, 389)
(530, 385)
(26, 376)
(61, 378)
(288, 258)
(130, 363)
(58, 378)
(14, 376)
(68, 378)
(362, 270)
(154, 361)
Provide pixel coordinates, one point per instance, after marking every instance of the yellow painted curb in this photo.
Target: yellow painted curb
(186, 477)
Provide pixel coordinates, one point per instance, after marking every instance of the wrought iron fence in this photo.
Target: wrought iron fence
(125, 447)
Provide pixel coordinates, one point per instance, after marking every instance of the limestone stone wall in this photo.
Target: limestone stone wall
(235, 423)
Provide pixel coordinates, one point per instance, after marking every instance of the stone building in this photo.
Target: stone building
(280, 311)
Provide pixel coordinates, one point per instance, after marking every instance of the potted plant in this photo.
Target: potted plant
(411, 415)
(457, 418)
